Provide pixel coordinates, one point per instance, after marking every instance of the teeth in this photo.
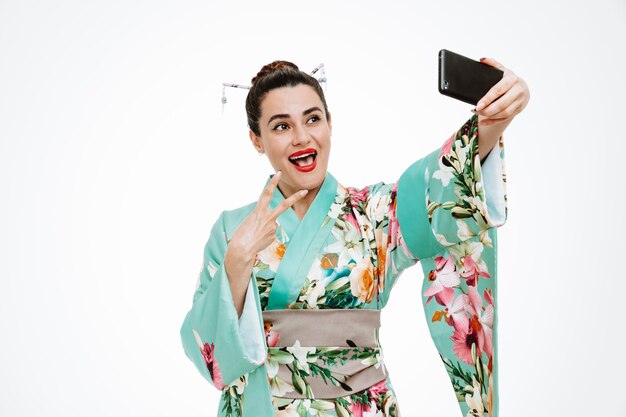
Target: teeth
(304, 159)
(295, 158)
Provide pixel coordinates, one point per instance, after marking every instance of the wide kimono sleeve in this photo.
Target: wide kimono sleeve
(223, 346)
(449, 206)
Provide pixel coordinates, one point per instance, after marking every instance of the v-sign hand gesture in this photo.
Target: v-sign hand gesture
(255, 233)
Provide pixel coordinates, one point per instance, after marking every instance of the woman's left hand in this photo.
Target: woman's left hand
(504, 100)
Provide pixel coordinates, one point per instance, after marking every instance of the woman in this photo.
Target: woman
(285, 316)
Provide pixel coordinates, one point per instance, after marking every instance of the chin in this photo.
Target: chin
(310, 180)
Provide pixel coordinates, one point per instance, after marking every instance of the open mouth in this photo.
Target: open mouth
(303, 160)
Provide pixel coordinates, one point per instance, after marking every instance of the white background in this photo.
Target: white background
(116, 159)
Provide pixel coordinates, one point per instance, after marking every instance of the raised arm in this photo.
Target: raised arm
(449, 205)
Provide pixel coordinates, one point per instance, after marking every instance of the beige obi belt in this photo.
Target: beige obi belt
(322, 353)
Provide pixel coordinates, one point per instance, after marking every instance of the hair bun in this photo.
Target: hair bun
(274, 67)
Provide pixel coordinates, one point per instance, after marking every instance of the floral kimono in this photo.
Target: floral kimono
(306, 343)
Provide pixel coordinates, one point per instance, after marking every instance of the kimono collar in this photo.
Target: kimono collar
(305, 239)
(317, 211)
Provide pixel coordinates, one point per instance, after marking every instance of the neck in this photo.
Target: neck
(301, 206)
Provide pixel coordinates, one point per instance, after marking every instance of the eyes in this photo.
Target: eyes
(285, 126)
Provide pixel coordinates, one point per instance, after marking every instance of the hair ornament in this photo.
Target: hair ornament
(322, 80)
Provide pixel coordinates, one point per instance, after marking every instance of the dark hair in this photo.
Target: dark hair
(276, 75)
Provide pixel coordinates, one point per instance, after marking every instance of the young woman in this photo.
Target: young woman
(286, 313)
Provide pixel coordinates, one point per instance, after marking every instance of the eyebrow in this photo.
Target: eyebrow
(286, 116)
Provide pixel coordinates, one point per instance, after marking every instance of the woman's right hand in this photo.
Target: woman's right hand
(258, 229)
(256, 232)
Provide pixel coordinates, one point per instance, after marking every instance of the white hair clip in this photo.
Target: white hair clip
(322, 80)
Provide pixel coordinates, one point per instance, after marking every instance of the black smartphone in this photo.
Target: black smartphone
(463, 78)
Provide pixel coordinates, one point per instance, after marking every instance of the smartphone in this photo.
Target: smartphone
(463, 78)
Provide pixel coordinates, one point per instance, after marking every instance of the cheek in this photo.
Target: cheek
(277, 157)
(275, 161)
(327, 147)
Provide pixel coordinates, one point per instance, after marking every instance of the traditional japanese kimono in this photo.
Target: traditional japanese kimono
(306, 343)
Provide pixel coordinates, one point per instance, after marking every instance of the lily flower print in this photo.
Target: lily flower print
(273, 254)
(357, 201)
(455, 312)
(271, 336)
(443, 278)
(208, 352)
(471, 266)
(482, 319)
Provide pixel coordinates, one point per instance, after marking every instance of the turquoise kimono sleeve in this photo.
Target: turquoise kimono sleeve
(449, 196)
(449, 206)
(223, 346)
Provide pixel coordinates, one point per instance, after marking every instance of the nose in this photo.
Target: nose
(300, 136)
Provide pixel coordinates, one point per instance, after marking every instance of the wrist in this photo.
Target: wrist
(239, 254)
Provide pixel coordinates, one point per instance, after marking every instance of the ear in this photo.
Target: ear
(256, 141)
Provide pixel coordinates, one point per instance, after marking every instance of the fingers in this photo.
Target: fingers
(505, 99)
(267, 193)
(507, 81)
(511, 110)
(494, 93)
(288, 202)
(492, 62)
(500, 107)
(504, 115)
(266, 196)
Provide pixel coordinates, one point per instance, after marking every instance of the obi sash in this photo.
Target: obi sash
(323, 353)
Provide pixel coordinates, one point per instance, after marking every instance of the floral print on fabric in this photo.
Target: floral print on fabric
(266, 264)
(461, 279)
(318, 361)
(305, 362)
(365, 247)
(232, 394)
(469, 315)
(232, 397)
(457, 205)
(379, 400)
(207, 350)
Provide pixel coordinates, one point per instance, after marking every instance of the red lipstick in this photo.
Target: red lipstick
(310, 153)
(302, 152)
